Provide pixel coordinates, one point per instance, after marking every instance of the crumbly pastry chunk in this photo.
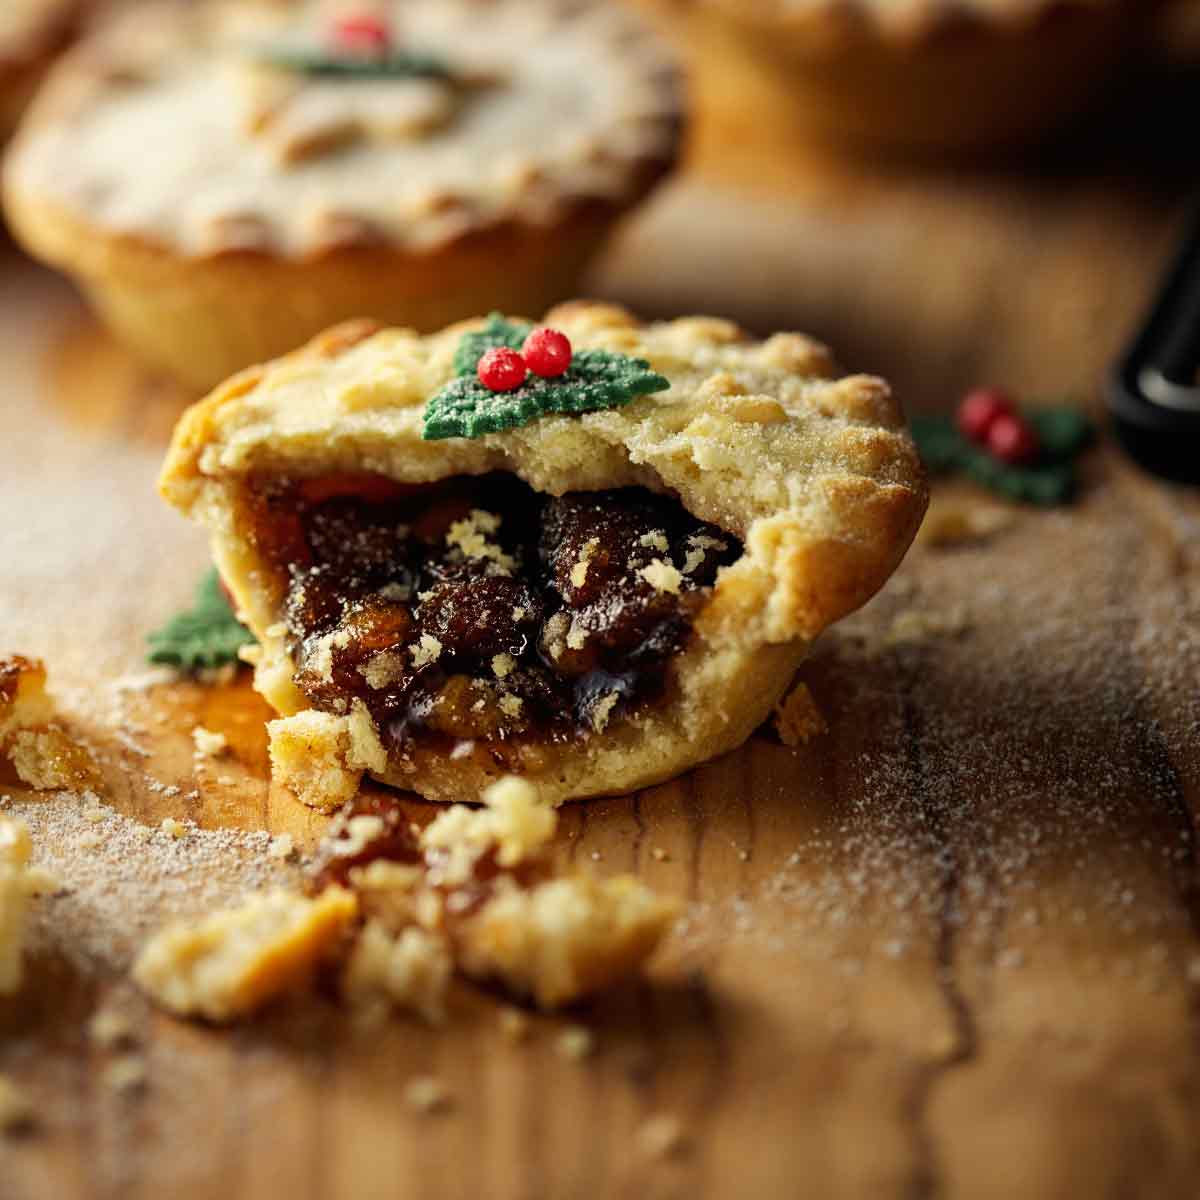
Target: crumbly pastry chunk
(479, 886)
(797, 718)
(785, 496)
(231, 963)
(42, 753)
(19, 882)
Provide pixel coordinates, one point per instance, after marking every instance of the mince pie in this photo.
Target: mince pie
(226, 179)
(591, 575)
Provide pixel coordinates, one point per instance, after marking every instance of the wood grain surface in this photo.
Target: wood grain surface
(951, 948)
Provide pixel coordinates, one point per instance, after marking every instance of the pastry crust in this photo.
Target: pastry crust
(260, 221)
(814, 473)
(920, 76)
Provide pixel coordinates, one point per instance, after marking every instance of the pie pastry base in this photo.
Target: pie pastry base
(961, 84)
(815, 474)
(202, 319)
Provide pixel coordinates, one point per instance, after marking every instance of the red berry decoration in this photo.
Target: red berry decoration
(980, 409)
(365, 34)
(1011, 439)
(547, 353)
(501, 369)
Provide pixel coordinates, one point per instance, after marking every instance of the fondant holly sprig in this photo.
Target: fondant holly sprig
(509, 374)
(206, 635)
(1024, 455)
(358, 46)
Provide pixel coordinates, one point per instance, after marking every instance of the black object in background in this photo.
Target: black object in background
(1154, 391)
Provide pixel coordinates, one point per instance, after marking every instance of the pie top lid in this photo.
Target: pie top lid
(219, 126)
(814, 471)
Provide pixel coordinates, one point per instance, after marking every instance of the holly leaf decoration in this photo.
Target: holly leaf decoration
(205, 635)
(323, 65)
(596, 379)
(1052, 479)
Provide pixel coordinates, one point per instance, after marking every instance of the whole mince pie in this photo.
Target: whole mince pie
(589, 553)
(226, 178)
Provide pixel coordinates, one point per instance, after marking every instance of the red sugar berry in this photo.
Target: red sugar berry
(367, 34)
(501, 369)
(979, 410)
(547, 352)
(1012, 440)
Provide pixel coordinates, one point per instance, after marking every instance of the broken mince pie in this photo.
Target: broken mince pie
(593, 565)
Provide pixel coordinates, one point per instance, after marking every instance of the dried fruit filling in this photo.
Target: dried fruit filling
(477, 609)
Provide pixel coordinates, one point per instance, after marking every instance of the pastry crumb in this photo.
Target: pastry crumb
(602, 711)
(503, 665)
(511, 705)
(662, 576)
(515, 1025)
(109, 1028)
(173, 828)
(208, 743)
(230, 963)
(662, 1136)
(576, 1042)
(409, 972)
(427, 650)
(914, 626)
(125, 1074)
(656, 539)
(580, 570)
(427, 1095)
(956, 523)
(281, 846)
(797, 718)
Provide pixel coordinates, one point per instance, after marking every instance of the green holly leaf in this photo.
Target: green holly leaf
(495, 332)
(205, 635)
(596, 379)
(323, 65)
(1063, 433)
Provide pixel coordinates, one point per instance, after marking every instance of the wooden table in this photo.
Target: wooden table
(948, 949)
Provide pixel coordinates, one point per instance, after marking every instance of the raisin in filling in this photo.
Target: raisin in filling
(477, 609)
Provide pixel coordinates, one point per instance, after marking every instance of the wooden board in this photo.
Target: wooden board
(950, 948)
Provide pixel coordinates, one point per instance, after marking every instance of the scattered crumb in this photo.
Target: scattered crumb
(914, 625)
(427, 1095)
(514, 1024)
(656, 539)
(127, 1073)
(662, 576)
(602, 711)
(660, 855)
(209, 744)
(662, 1136)
(281, 846)
(409, 972)
(797, 718)
(174, 828)
(953, 522)
(16, 1109)
(109, 1028)
(580, 570)
(576, 1042)
(511, 705)
(427, 650)
(228, 964)
(503, 665)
